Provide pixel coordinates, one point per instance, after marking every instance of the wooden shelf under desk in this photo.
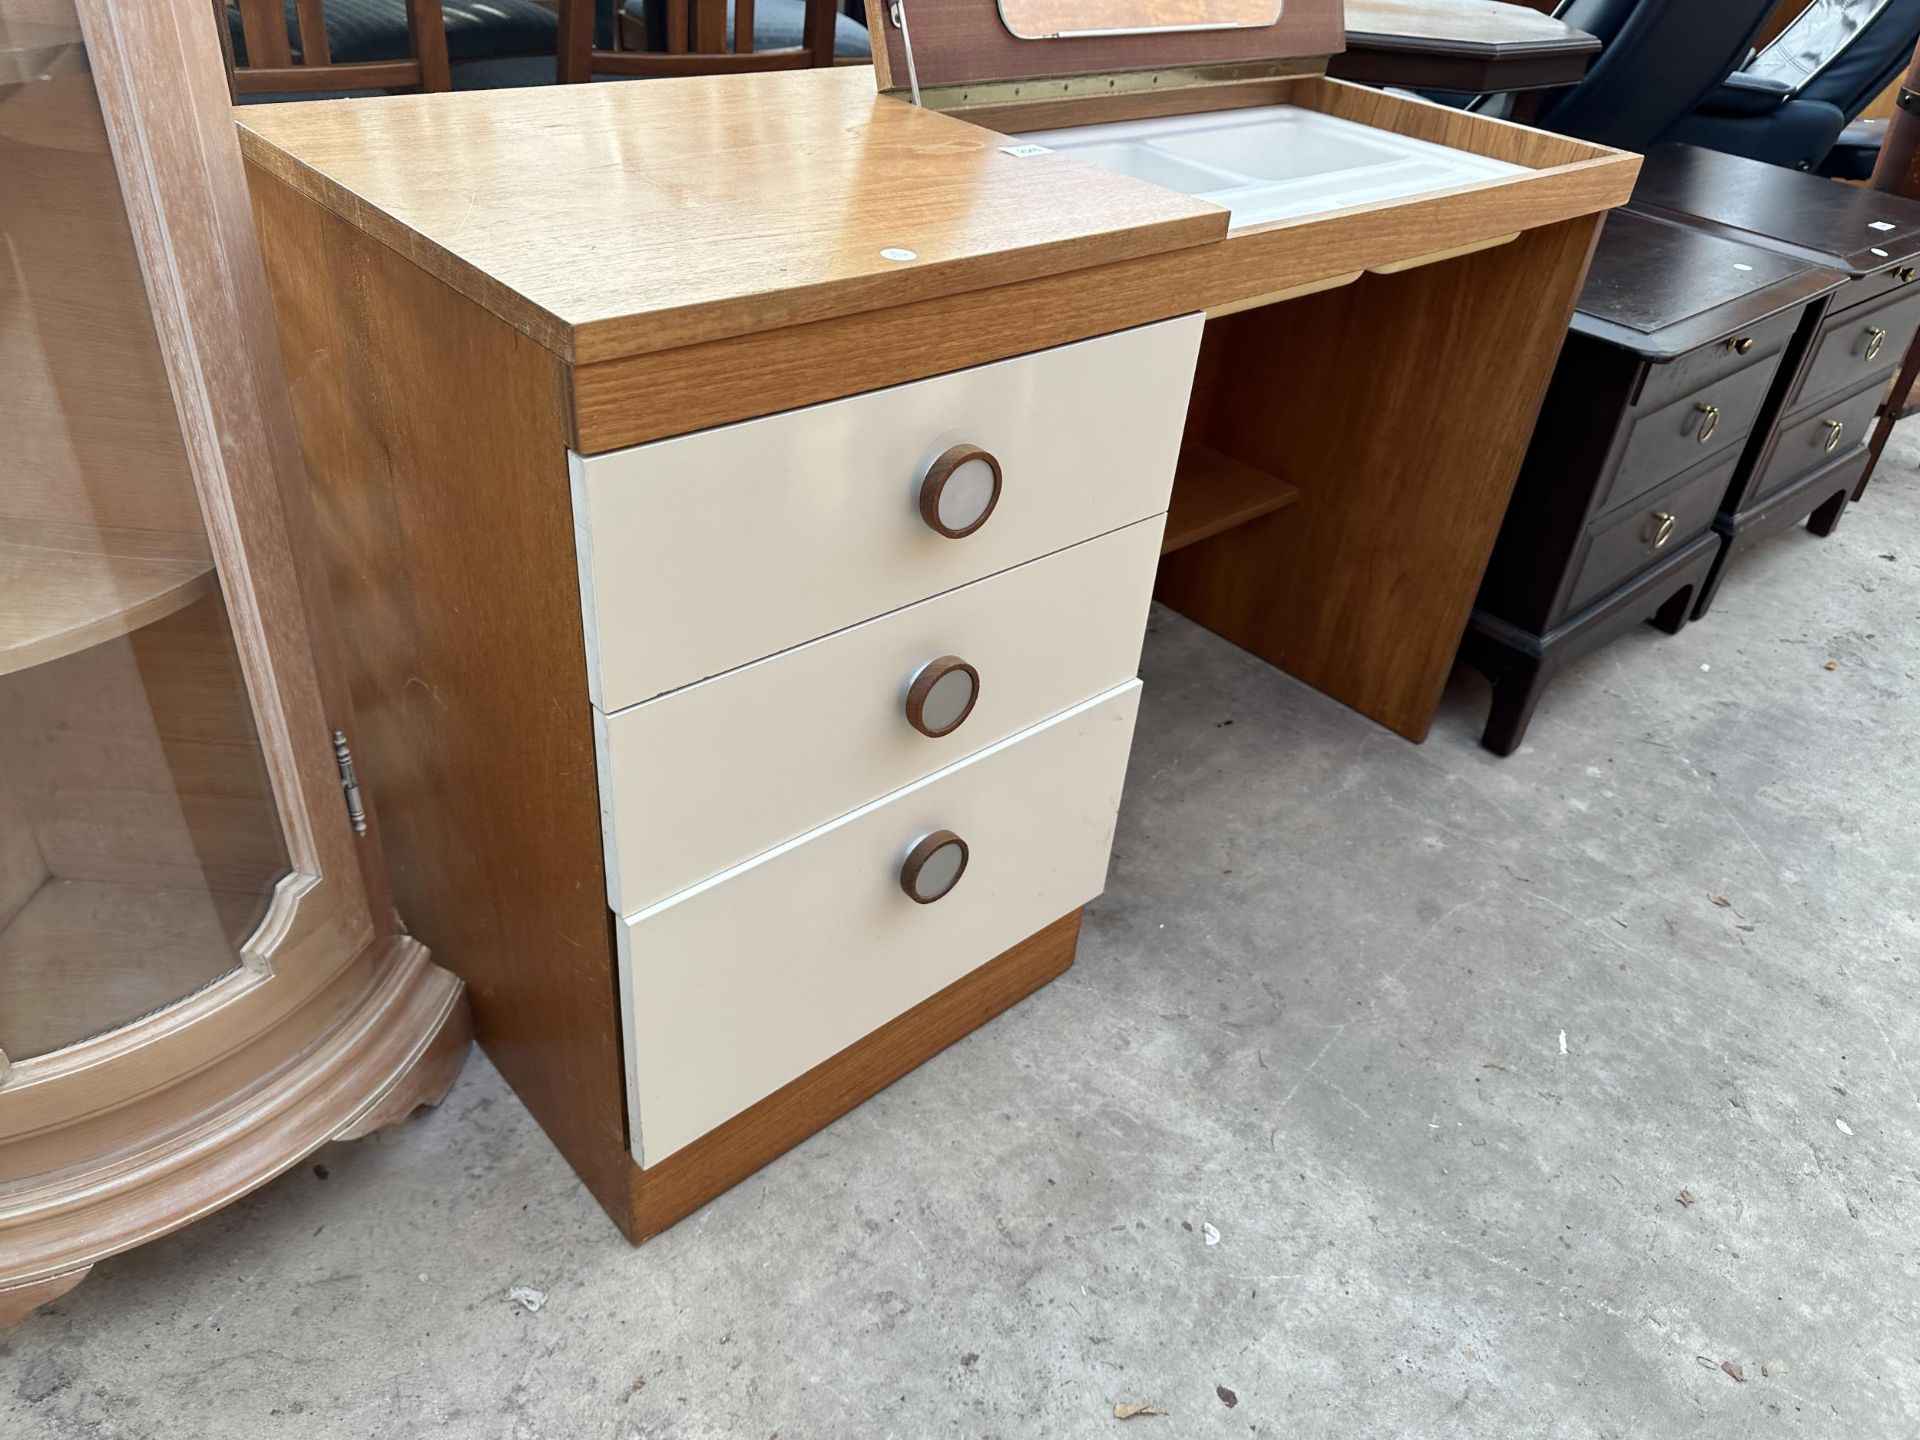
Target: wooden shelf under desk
(64, 587)
(1213, 492)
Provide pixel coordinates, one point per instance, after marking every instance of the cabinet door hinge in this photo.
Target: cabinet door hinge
(349, 783)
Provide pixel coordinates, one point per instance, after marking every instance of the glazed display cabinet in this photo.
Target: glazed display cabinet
(201, 978)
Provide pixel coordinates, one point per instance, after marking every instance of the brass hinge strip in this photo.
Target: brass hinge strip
(1120, 82)
(349, 784)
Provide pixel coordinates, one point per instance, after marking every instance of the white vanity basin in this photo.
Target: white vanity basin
(1275, 161)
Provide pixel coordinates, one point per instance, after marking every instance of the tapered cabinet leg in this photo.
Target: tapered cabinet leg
(1518, 678)
(1671, 618)
(1823, 521)
(1516, 691)
(19, 1301)
(427, 1082)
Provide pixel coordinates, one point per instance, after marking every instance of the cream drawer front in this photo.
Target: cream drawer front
(701, 553)
(706, 778)
(734, 988)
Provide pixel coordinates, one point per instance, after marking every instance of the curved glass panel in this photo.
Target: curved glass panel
(139, 841)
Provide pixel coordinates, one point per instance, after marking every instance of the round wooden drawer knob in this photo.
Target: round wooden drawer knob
(942, 695)
(933, 867)
(960, 490)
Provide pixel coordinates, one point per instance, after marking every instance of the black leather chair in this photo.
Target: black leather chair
(491, 43)
(1791, 104)
(1660, 59)
(777, 25)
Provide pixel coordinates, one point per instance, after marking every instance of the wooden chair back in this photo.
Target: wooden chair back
(272, 69)
(696, 41)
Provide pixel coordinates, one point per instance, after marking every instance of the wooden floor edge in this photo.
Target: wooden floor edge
(668, 1192)
(413, 1020)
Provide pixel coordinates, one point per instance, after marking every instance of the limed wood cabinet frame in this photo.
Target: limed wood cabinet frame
(599, 385)
(170, 684)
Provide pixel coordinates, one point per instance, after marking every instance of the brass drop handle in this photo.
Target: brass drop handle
(941, 695)
(1904, 274)
(1709, 421)
(1740, 344)
(959, 491)
(1876, 337)
(1834, 427)
(1665, 533)
(933, 866)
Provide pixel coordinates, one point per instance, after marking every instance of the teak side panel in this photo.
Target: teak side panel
(435, 440)
(1363, 587)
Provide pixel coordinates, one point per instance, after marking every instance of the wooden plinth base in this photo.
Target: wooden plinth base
(716, 1162)
(399, 1049)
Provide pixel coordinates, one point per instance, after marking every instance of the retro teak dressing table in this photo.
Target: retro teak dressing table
(745, 495)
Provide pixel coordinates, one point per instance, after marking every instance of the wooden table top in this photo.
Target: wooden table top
(1485, 46)
(607, 220)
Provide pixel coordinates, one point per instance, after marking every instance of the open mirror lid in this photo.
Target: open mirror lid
(967, 52)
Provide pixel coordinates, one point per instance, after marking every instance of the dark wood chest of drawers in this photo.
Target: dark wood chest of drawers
(1806, 465)
(1683, 350)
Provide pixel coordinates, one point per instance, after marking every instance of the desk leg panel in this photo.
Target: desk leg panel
(1401, 407)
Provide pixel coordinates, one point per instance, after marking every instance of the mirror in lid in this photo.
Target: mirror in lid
(951, 54)
(1066, 19)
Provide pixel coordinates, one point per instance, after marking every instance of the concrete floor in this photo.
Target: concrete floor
(1428, 1040)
